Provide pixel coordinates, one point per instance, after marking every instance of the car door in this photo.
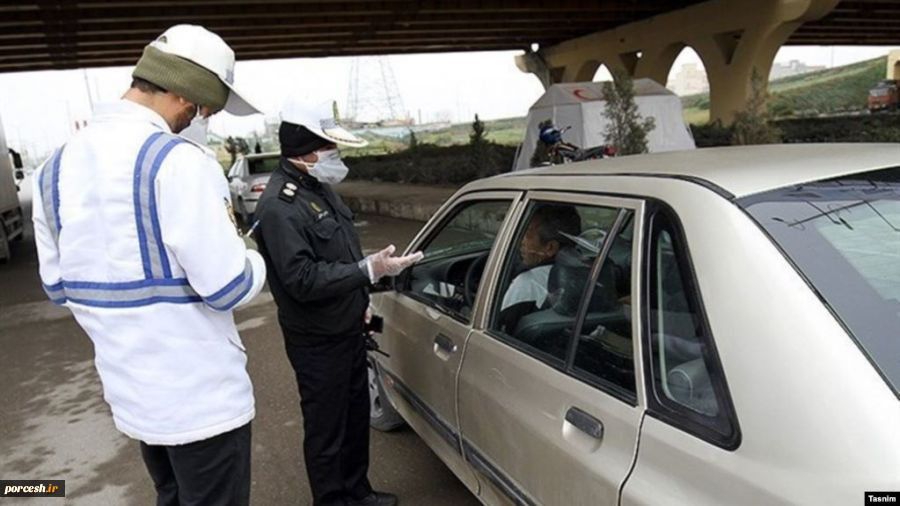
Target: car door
(548, 417)
(691, 431)
(427, 319)
(236, 179)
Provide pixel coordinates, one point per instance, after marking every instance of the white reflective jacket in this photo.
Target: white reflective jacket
(133, 235)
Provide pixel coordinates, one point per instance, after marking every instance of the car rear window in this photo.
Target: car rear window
(263, 165)
(843, 235)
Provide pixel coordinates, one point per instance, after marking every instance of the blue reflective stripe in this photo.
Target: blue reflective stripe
(49, 190)
(234, 291)
(49, 184)
(56, 190)
(154, 217)
(228, 288)
(137, 303)
(245, 288)
(142, 237)
(125, 293)
(125, 285)
(55, 292)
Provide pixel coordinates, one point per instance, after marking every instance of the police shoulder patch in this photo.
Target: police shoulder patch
(288, 192)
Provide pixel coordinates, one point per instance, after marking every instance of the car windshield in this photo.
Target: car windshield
(263, 165)
(844, 236)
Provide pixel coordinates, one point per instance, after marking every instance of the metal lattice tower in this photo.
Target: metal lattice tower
(373, 95)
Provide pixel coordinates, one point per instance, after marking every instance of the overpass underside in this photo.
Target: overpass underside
(733, 38)
(639, 37)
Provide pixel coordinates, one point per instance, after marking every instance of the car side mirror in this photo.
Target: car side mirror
(385, 284)
(17, 159)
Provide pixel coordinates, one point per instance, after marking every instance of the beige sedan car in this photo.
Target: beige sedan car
(708, 327)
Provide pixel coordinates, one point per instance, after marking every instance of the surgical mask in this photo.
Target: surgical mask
(198, 130)
(329, 169)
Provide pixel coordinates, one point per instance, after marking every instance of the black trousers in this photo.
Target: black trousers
(332, 377)
(215, 471)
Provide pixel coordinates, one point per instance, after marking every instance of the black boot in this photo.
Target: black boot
(374, 499)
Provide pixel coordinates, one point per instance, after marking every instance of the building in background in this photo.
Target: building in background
(792, 68)
(689, 80)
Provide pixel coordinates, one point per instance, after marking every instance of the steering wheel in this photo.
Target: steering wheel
(473, 279)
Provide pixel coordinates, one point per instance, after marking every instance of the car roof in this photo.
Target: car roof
(256, 156)
(738, 171)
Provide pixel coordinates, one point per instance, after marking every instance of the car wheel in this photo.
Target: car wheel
(239, 215)
(382, 415)
(5, 250)
(22, 220)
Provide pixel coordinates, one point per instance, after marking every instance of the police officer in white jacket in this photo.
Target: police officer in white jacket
(135, 237)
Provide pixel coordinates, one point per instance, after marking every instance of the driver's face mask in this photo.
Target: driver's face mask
(329, 169)
(198, 130)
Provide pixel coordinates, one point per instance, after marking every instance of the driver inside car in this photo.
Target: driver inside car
(543, 239)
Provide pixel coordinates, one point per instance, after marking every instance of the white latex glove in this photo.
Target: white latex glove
(383, 264)
(367, 318)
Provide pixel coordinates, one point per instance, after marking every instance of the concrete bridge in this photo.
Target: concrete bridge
(562, 40)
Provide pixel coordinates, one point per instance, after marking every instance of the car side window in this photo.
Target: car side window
(263, 165)
(687, 381)
(604, 351)
(455, 257)
(544, 275)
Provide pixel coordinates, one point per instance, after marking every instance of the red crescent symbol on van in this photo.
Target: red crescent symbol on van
(578, 92)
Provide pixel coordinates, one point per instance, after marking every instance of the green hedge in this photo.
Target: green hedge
(860, 128)
(863, 128)
(430, 164)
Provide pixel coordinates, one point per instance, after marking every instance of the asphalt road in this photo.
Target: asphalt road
(54, 423)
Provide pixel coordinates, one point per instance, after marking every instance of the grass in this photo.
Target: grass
(695, 115)
(830, 91)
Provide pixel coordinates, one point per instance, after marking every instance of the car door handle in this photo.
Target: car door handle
(444, 346)
(585, 423)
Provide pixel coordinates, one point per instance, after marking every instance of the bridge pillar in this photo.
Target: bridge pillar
(893, 65)
(732, 37)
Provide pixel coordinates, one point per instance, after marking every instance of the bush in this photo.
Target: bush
(862, 128)
(712, 134)
(430, 164)
(753, 125)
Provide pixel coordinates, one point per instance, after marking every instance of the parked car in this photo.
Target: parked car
(247, 179)
(716, 326)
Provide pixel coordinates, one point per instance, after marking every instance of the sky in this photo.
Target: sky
(39, 109)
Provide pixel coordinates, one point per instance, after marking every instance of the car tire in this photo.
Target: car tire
(239, 216)
(382, 415)
(22, 220)
(5, 249)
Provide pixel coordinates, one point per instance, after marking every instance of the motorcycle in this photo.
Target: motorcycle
(560, 151)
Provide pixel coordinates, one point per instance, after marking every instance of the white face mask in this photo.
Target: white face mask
(198, 130)
(329, 169)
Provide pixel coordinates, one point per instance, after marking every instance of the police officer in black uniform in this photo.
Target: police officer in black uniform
(319, 279)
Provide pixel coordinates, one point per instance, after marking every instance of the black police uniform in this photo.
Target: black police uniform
(313, 255)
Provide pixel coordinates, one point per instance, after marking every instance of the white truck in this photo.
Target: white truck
(12, 220)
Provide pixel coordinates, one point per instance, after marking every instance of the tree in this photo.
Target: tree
(626, 129)
(235, 146)
(481, 153)
(753, 124)
(477, 135)
(413, 140)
